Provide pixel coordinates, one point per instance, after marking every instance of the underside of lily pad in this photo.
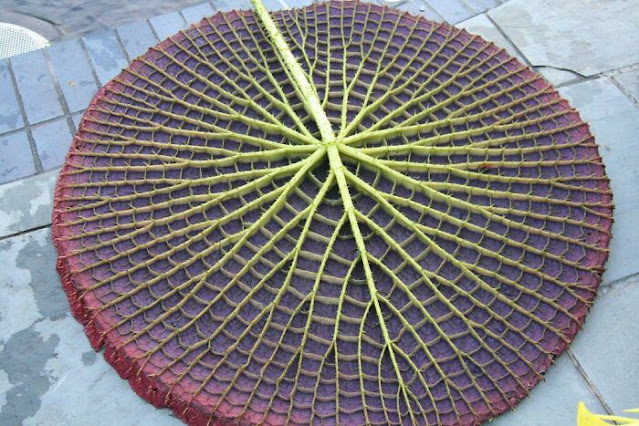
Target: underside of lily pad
(424, 264)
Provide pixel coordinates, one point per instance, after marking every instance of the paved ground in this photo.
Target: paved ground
(48, 373)
(66, 19)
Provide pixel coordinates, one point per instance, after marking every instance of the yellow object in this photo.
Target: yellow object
(586, 418)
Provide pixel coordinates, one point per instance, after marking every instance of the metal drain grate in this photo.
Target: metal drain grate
(15, 40)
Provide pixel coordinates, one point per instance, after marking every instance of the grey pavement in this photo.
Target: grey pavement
(50, 375)
(587, 37)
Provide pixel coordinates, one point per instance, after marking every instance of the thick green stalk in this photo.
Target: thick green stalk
(296, 73)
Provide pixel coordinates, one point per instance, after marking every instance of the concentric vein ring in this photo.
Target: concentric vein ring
(423, 266)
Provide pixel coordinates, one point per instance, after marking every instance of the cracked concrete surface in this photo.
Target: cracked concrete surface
(49, 374)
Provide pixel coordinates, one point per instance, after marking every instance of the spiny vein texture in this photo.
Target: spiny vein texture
(425, 265)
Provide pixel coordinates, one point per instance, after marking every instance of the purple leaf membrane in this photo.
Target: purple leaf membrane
(428, 271)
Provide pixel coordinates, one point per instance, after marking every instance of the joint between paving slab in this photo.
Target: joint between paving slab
(577, 74)
(188, 23)
(155, 34)
(577, 81)
(512, 43)
(612, 284)
(597, 77)
(621, 70)
(613, 74)
(85, 52)
(27, 126)
(122, 47)
(24, 231)
(56, 85)
(589, 382)
(429, 7)
(619, 86)
(63, 101)
(469, 7)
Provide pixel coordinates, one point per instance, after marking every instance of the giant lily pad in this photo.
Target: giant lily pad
(420, 254)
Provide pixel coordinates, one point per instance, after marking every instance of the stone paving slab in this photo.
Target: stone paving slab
(71, 67)
(557, 76)
(16, 158)
(77, 118)
(27, 204)
(27, 297)
(483, 26)
(585, 36)
(49, 374)
(479, 6)
(453, 11)
(614, 121)
(107, 57)
(553, 402)
(294, 3)
(274, 4)
(18, 302)
(416, 7)
(608, 346)
(226, 5)
(82, 388)
(168, 24)
(136, 38)
(35, 84)
(630, 83)
(196, 13)
(52, 140)
(10, 116)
